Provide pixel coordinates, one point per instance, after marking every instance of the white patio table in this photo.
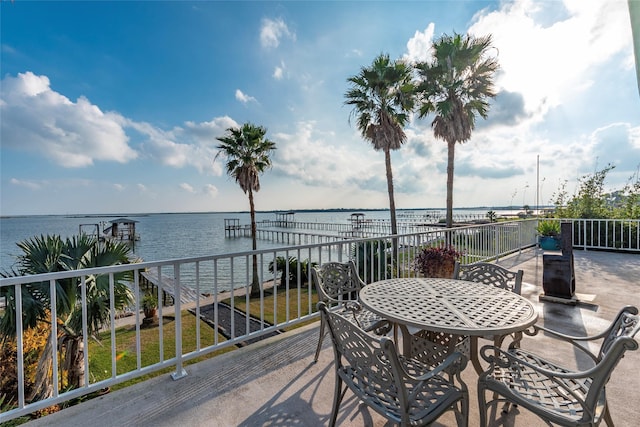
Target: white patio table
(451, 306)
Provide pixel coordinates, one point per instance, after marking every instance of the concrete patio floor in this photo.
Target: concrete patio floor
(275, 383)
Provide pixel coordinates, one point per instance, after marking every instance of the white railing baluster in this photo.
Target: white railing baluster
(112, 318)
(54, 335)
(19, 343)
(85, 334)
(177, 292)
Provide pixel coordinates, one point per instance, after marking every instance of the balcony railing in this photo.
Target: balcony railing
(228, 277)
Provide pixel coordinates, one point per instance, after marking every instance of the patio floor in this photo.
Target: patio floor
(275, 383)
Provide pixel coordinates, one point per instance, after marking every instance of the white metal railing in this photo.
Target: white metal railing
(227, 277)
(605, 234)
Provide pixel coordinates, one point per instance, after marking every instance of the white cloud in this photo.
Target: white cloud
(318, 159)
(244, 98)
(118, 187)
(206, 132)
(38, 119)
(31, 185)
(419, 47)
(278, 72)
(210, 190)
(142, 187)
(72, 134)
(186, 187)
(548, 56)
(194, 145)
(272, 32)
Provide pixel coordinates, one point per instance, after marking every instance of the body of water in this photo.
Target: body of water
(171, 236)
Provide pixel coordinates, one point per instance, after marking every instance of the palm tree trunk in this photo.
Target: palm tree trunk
(74, 360)
(392, 203)
(255, 283)
(451, 146)
(43, 384)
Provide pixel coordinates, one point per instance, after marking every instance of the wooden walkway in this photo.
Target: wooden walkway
(167, 285)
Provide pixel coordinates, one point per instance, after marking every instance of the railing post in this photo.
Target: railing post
(19, 344)
(180, 372)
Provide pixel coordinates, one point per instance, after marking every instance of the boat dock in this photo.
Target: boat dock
(167, 286)
(285, 229)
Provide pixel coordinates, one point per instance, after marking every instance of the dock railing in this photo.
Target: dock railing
(279, 304)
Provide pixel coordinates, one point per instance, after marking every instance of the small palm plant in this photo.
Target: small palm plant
(149, 304)
(281, 265)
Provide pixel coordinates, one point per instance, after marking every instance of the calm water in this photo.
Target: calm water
(168, 236)
(162, 236)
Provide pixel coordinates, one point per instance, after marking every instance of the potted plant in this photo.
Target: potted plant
(549, 232)
(433, 261)
(149, 305)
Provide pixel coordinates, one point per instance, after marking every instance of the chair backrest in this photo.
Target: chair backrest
(336, 281)
(618, 338)
(625, 325)
(368, 365)
(490, 274)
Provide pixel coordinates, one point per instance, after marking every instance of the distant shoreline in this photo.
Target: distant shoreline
(143, 214)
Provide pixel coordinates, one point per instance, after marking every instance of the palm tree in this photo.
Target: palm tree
(382, 97)
(248, 155)
(45, 254)
(456, 85)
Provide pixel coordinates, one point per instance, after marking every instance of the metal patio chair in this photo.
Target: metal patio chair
(489, 274)
(557, 394)
(494, 275)
(401, 389)
(338, 285)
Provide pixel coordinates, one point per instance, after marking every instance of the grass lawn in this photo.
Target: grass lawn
(280, 298)
(126, 361)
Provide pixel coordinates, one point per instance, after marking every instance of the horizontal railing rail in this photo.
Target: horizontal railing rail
(283, 299)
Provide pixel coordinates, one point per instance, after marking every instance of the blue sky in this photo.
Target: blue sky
(114, 107)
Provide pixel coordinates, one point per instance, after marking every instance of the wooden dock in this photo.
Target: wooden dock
(167, 286)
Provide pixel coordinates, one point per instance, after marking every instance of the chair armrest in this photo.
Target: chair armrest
(567, 337)
(573, 340)
(352, 305)
(452, 359)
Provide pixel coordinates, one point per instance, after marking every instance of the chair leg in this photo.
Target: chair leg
(607, 416)
(337, 399)
(320, 339)
(482, 406)
(463, 418)
(498, 340)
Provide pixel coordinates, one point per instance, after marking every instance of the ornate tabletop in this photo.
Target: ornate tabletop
(451, 306)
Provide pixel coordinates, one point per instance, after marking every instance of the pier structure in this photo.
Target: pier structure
(357, 227)
(122, 229)
(285, 219)
(166, 284)
(232, 228)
